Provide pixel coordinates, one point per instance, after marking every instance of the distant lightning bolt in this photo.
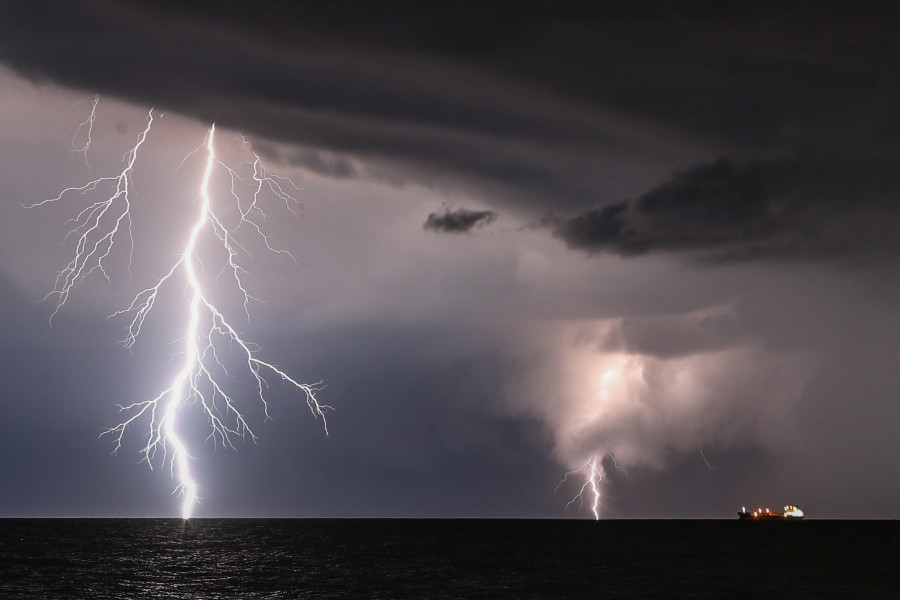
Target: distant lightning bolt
(198, 379)
(592, 471)
(84, 133)
(709, 467)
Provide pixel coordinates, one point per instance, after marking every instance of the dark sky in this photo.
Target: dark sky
(664, 234)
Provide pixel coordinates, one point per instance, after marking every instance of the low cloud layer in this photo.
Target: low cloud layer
(771, 210)
(461, 220)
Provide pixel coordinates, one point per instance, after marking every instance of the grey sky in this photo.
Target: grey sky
(679, 242)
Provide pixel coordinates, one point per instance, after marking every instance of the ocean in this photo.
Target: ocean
(453, 558)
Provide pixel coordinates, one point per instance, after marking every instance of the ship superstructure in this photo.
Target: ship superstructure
(790, 513)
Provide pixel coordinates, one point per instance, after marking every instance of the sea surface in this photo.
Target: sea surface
(412, 558)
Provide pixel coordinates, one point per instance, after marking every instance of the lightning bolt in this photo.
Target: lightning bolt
(709, 466)
(84, 133)
(615, 463)
(592, 471)
(199, 378)
(98, 225)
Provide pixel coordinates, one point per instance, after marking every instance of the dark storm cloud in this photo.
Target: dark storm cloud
(459, 221)
(780, 209)
(292, 74)
(599, 229)
(320, 163)
(516, 101)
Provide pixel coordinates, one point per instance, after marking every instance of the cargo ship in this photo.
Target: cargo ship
(791, 513)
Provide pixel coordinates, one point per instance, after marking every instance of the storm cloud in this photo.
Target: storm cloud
(531, 105)
(775, 210)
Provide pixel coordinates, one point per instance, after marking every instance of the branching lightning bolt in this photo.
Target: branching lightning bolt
(592, 471)
(98, 225)
(198, 379)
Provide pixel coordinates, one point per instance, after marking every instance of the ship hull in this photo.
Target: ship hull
(791, 513)
(768, 517)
